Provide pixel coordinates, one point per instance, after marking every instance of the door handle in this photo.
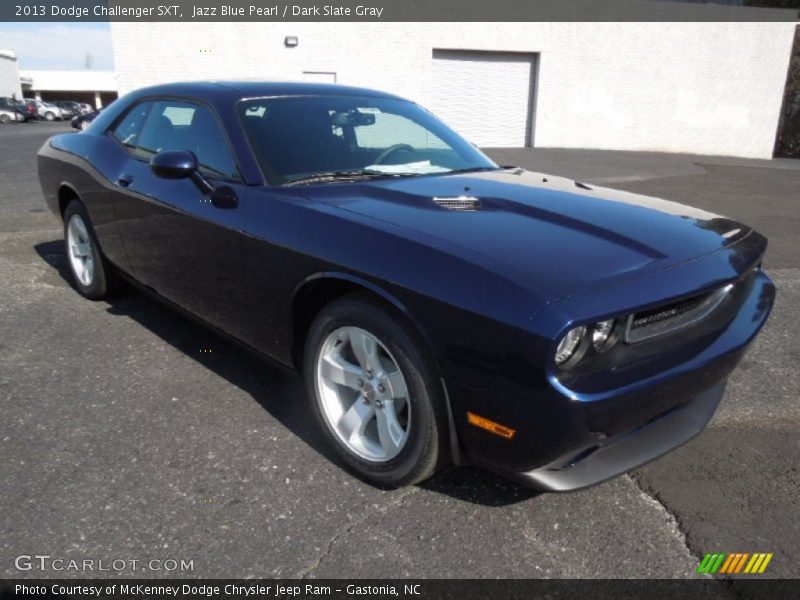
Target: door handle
(224, 197)
(125, 180)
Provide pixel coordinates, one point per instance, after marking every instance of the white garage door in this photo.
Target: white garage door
(485, 96)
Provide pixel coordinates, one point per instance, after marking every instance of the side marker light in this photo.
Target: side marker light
(490, 426)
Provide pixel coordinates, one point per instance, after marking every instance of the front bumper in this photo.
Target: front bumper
(575, 433)
(621, 453)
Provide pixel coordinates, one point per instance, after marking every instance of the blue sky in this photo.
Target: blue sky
(59, 46)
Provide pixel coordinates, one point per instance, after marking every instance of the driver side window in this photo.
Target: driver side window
(155, 126)
(129, 128)
(176, 125)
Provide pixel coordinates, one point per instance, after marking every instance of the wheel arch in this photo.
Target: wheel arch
(316, 291)
(320, 289)
(66, 194)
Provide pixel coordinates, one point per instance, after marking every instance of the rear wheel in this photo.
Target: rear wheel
(374, 393)
(4, 119)
(49, 116)
(94, 278)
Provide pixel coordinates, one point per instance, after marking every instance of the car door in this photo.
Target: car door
(181, 241)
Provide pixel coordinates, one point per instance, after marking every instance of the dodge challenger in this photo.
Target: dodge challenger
(440, 307)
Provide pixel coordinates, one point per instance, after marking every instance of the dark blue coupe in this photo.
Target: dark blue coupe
(441, 308)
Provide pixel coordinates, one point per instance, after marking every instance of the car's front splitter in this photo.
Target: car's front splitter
(618, 454)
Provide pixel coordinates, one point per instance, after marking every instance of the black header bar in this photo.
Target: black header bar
(393, 10)
(401, 589)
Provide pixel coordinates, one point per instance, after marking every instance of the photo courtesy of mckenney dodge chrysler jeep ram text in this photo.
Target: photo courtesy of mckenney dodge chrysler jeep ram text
(440, 307)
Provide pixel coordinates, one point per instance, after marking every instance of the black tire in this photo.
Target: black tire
(49, 116)
(426, 449)
(105, 281)
(4, 119)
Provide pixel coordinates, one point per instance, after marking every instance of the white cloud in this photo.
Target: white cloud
(59, 46)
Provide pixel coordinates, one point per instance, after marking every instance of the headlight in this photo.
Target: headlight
(569, 344)
(600, 335)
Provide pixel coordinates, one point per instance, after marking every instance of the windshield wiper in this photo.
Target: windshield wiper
(341, 175)
(374, 174)
(472, 170)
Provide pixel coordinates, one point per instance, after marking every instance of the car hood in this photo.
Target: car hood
(545, 232)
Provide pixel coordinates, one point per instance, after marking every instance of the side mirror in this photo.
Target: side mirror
(174, 164)
(180, 164)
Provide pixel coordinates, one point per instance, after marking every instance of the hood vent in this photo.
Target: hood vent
(463, 203)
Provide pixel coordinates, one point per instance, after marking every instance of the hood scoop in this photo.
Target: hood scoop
(462, 203)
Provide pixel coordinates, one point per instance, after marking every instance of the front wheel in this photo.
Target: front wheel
(374, 393)
(4, 119)
(49, 116)
(93, 276)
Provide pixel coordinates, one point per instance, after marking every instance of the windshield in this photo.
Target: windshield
(298, 138)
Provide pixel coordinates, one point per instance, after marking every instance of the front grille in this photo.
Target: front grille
(661, 313)
(668, 318)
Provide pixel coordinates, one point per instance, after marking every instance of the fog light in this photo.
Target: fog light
(569, 344)
(601, 334)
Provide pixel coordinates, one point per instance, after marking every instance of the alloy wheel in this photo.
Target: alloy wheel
(363, 394)
(81, 252)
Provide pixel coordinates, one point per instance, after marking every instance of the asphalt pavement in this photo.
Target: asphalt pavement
(129, 433)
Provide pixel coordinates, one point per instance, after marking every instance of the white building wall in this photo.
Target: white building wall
(707, 88)
(9, 75)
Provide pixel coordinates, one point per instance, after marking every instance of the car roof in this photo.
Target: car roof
(236, 90)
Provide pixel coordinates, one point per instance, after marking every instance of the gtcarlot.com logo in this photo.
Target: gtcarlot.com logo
(46, 562)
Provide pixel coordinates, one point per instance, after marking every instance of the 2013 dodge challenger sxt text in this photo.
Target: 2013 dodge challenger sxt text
(440, 307)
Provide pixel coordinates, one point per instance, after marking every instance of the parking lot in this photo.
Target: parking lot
(128, 432)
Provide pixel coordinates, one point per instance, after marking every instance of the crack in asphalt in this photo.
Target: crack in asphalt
(345, 531)
(728, 585)
(681, 534)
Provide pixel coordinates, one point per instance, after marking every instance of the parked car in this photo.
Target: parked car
(83, 121)
(11, 105)
(440, 307)
(10, 116)
(48, 111)
(68, 108)
(86, 108)
(29, 108)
